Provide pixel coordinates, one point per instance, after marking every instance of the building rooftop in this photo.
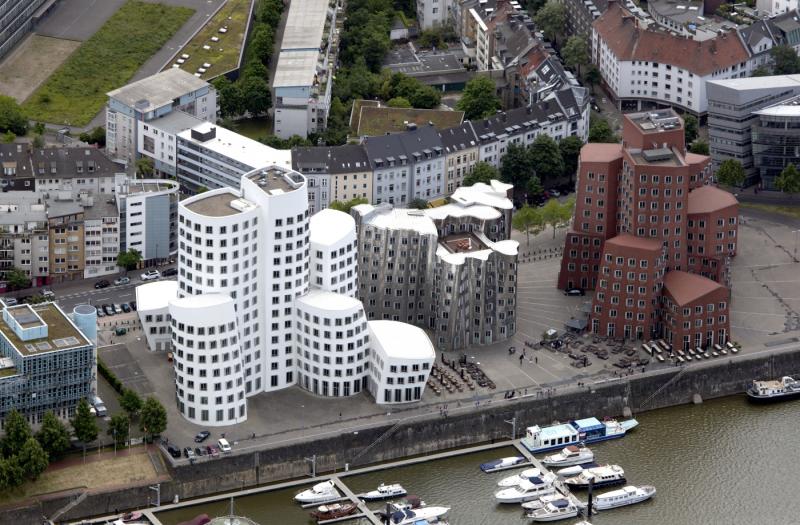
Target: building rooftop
(219, 203)
(399, 340)
(458, 138)
(62, 334)
(746, 84)
(158, 90)
(600, 152)
(785, 108)
(372, 120)
(687, 288)
(348, 158)
(15, 160)
(18, 207)
(428, 64)
(627, 240)
(135, 186)
(237, 147)
(656, 157)
(494, 194)
(155, 295)
(103, 205)
(656, 121)
(707, 199)
(329, 301)
(73, 162)
(329, 227)
(201, 301)
(387, 217)
(462, 243)
(296, 69)
(275, 180)
(175, 121)
(305, 24)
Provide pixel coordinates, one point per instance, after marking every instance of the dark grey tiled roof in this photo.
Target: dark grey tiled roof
(73, 162)
(458, 138)
(330, 159)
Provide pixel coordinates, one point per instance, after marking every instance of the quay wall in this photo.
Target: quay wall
(464, 426)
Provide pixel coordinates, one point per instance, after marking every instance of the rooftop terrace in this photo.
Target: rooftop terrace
(462, 243)
(274, 180)
(656, 121)
(216, 205)
(61, 333)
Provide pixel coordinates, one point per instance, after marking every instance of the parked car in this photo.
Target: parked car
(212, 450)
(188, 452)
(48, 294)
(224, 446)
(102, 283)
(174, 451)
(99, 406)
(10, 301)
(108, 309)
(199, 451)
(121, 280)
(117, 309)
(574, 291)
(126, 308)
(202, 436)
(100, 312)
(555, 193)
(170, 272)
(133, 305)
(149, 275)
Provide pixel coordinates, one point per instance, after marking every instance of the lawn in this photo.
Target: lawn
(76, 92)
(224, 54)
(789, 211)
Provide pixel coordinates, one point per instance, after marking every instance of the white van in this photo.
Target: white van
(223, 445)
(99, 406)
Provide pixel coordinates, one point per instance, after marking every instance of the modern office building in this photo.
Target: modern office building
(151, 98)
(47, 363)
(148, 217)
(152, 307)
(400, 363)
(17, 17)
(158, 139)
(646, 216)
(776, 140)
(101, 227)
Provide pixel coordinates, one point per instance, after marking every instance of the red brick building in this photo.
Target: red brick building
(643, 211)
(694, 311)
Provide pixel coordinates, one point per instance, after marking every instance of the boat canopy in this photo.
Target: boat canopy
(558, 431)
(590, 424)
(560, 503)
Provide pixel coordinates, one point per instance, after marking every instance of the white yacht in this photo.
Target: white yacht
(568, 472)
(555, 510)
(570, 455)
(516, 479)
(319, 493)
(384, 491)
(502, 463)
(407, 516)
(624, 496)
(541, 501)
(527, 490)
(599, 477)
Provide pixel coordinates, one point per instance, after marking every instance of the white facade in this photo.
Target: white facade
(101, 245)
(402, 356)
(775, 7)
(432, 13)
(152, 307)
(334, 252)
(391, 181)
(147, 210)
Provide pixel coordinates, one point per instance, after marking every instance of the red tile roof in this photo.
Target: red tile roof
(687, 288)
(631, 241)
(601, 152)
(619, 28)
(707, 199)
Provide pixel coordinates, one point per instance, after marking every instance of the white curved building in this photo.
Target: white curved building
(152, 307)
(208, 361)
(401, 360)
(333, 344)
(334, 253)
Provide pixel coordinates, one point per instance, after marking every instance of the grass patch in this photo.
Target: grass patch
(789, 211)
(377, 121)
(223, 55)
(76, 92)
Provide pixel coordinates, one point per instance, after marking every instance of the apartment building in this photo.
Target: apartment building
(461, 151)
(66, 229)
(644, 216)
(334, 173)
(148, 217)
(17, 17)
(433, 13)
(151, 98)
(24, 236)
(102, 237)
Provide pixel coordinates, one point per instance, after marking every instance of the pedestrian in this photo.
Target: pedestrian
(536, 359)
(520, 359)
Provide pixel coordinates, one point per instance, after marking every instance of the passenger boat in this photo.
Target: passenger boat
(559, 509)
(569, 455)
(589, 430)
(502, 463)
(527, 490)
(776, 390)
(625, 496)
(333, 511)
(383, 491)
(574, 470)
(604, 476)
(319, 493)
(516, 479)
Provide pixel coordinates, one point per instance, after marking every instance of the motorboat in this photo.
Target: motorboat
(776, 390)
(625, 496)
(590, 430)
(333, 511)
(569, 455)
(568, 472)
(132, 518)
(502, 463)
(527, 490)
(402, 515)
(559, 509)
(319, 493)
(384, 491)
(516, 479)
(603, 476)
(541, 501)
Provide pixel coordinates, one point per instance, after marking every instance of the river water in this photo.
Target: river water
(724, 462)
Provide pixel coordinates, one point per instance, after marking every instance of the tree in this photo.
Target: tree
(789, 180)
(347, 206)
(418, 204)
(153, 418)
(426, 97)
(144, 168)
(38, 142)
(576, 52)
(256, 95)
(479, 99)
(32, 458)
(130, 402)
(11, 473)
(129, 259)
(516, 166)
(785, 60)
(570, 148)
(700, 147)
(84, 424)
(18, 431)
(9, 137)
(96, 136)
(534, 188)
(481, 172)
(600, 131)
(260, 45)
(17, 279)
(546, 158)
(554, 213)
(761, 71)
(551, 19)
(399, 102)
(12, 117)
(39, 128)
(593, 77)
(229, 96)
(527, 219)
(118, 428)
(690, 128)
(533, 6)
(53, 435)
(731, 173)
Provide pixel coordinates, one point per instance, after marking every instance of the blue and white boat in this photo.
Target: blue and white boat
(516, 479)
(503, 464)
(589, 430)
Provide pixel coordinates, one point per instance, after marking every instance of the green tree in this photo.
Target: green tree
(479, 99)
(546, 158)
(118, 429)
(32, 458)
(576, 52)
(84, 424)
(153, 417)
(551, 19)
(53, 435)
(426, 97)
(600, 131)
(39, 128)
(555, 213)
(789, 180)
(347, 206)
(761, 71)
(130, 402)
(129, 259)
(533, 6)
(260, 45)
(399, 102)
(256, 95)
(229, 97)
(17, 279)
(481, 172)
(418, 204)
(592, 77)
(534, 188)
(11, 473)
(201, 189)
(527, 219)
(38, 142)
(18, 431)
(9, 137)
(731, 173)
(570, 148)
(269, 12)
(144, 168)
(690, 128)
(785, 60)
(516, 166)
(12, 117)
(699, 146)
